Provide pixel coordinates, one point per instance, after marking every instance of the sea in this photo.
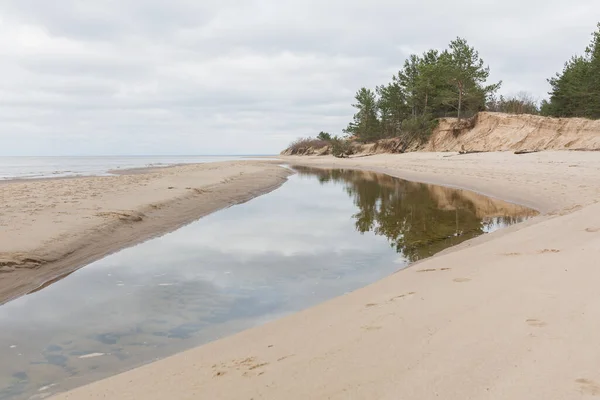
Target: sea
(56, 167)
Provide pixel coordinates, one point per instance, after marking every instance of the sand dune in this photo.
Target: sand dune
(52, 227)
(488, 132)
(510, 315)
(501, 132)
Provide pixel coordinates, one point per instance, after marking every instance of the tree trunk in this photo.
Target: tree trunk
(460, 95)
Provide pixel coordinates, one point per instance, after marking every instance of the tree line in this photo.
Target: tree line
(436, 84)
(576, 90)
(454, 83)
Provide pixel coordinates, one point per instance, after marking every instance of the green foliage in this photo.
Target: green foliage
(325, 136)
(576, 91)
(365, 126)
(435, 84)
(341, 148)
(468, 76)
(420, 127)
(393, 108)
(429, 86)
(546, 108)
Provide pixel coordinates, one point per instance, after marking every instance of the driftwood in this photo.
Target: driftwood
(464, 152)
(583, 149)
(526, 151)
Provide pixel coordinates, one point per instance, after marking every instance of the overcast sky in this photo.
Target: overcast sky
(83, 77)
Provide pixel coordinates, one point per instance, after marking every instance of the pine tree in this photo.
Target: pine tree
(392, 107)
(366, 126)
(468, 74)
(575, 92)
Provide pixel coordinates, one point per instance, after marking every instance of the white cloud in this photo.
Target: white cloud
(177, 77)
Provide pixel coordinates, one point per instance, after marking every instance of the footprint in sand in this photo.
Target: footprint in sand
(511, 254)
(545, 251)
(371, 328)
(461, 280)
(250, 364)
(434, 270)
(285, 357)
(592, 230)
(402, 296)
(257, 366)
(371, 305)
(536, 323)
(589, 387)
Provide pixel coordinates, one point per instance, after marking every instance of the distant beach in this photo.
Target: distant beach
(58, 167)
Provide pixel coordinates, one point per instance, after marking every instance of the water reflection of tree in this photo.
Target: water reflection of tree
(409, 214)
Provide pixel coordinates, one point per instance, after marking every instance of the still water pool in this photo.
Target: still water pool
(322, 234)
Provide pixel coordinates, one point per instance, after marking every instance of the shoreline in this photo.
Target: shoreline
(542, 209)
(58, 225)
(427, 330)
(119, 170)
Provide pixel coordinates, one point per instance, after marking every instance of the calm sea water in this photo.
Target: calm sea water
(52, 167)
(320, 235)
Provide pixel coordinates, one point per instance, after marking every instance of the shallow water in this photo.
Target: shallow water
(322, 234)
(56, 167)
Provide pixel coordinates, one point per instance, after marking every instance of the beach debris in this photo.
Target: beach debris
(548, 251)
(44, 388)
(91, 355)
(536, 323)
(462, 280)
(526, 151)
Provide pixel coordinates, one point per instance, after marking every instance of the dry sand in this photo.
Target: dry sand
(501, 132)
(51, 227)
(514, 316)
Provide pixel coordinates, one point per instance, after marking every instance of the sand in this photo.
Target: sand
(489, 132)
(501, 132)
(511, 315)
(51, 227)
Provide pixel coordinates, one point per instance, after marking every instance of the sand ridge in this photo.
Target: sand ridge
(512, 317)
(51, 227)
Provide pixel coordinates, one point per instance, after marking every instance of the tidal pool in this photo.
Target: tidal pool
(322, 234)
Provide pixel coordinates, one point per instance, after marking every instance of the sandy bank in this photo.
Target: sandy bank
(515, 317)
(486, 132)
(510, 132)
(52, 227)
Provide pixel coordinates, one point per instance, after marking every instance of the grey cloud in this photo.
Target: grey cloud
(148, 76)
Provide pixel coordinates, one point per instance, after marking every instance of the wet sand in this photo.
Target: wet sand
(509, 317)
(51, 227)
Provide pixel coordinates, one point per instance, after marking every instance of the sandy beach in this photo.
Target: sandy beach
(510, 315)
(51, 227)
